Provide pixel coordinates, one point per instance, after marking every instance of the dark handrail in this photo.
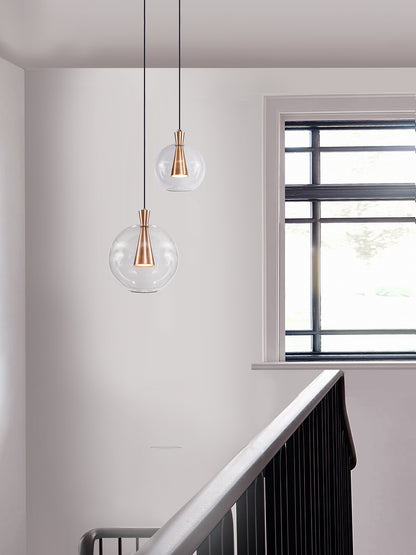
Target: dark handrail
(186, 531)
(86, 546)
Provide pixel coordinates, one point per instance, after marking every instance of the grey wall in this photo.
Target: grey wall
(12, 312)
(110, 374)
(382, 413)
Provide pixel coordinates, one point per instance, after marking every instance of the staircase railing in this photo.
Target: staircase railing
(98, 536)
(288, 491)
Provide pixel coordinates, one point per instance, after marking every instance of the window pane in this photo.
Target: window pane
(367, 137)
(365, 343)
(297, 168)
(297, 138)
(297, 209)
(368, 276)
(367, 167)
(298, 343)
(298, 277)
(369, 209)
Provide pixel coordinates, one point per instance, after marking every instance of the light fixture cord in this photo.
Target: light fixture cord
(144, 103)
(179, 61)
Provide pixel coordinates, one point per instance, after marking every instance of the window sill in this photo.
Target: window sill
(337, 365)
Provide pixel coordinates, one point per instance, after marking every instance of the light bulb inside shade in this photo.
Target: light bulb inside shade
(143, 279)
(194, 163)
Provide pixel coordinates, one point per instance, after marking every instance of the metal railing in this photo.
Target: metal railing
(96, 538)
(287, 492)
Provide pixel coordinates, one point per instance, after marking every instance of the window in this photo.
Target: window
(339, 271)
(350, 240)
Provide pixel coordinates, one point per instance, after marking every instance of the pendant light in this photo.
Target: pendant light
(180, 167)
(143, 257)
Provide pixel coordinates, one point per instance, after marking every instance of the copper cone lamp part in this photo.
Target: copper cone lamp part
(179, 168)
(144, 254)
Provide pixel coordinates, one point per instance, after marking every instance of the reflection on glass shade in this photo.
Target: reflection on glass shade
(195, 165)
(143, 279)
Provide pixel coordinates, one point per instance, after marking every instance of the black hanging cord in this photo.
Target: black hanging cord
(179, 61)
(144, 103)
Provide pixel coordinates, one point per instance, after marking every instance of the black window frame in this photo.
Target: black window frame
(315, 193)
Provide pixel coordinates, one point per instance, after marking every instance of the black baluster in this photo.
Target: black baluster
(227, 535)
(300, 491)
(291, 496)
(320, 514)
(315, 485)
(215, 537)
(271, 510)
(259, 516)
(331, 503)
(284, 509)
(279, 502)
(326, 472)
(251, 519)
(350, 531)
(242, 532)
(339, 485)
(204, 548)
(308, 487)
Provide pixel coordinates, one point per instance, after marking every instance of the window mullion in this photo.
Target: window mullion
(316, 246)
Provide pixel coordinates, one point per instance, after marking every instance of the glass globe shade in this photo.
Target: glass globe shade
(194, 163)
(143, 279)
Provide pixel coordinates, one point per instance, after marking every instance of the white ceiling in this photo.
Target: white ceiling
(216, 33)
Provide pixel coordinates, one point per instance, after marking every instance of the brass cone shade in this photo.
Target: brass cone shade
(144, 254)
(179, 168)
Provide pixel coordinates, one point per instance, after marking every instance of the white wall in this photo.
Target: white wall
(111, 374)
(12, 312)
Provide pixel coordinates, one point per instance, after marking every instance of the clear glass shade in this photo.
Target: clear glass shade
(143, 279)
(194, 163)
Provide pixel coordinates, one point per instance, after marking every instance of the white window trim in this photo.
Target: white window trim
(278, 109)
